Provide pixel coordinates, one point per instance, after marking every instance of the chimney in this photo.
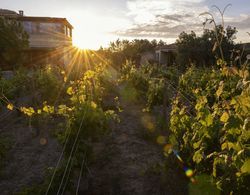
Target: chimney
(21, 12)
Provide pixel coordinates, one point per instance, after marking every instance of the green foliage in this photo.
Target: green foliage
(150, 81)
(204, 50)
(13, 39)
(213, 130)
(84, 119)
(45, 84)
(8, 88)
(121, 50)
(45, 81)
(17, 86)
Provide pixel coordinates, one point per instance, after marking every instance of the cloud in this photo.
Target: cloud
(173, 17)
(166, 19)
(146, 10)
(163, 18)
(164, 26)
(242, 22)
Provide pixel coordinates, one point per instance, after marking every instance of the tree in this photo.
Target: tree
(187, 46)
(121, 50)
(13, 40)
(204, 50)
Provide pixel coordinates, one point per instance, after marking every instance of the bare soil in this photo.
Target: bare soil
(28, 158)
(128, 164)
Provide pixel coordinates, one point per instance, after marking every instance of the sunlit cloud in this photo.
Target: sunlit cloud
(166, 19)
(242, 23)
(163, 19)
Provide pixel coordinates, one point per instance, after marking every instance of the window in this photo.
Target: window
(58, 28)
(27, 26)
(65, 30)
(68, 32)
(46, 27)
(35, 27)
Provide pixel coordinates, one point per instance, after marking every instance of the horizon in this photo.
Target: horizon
(98, 23)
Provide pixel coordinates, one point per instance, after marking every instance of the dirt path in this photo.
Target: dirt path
(127, 164)
(27, 160)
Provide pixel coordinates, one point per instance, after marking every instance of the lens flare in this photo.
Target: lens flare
(161, 140)
(148, 123)
(178, 156)
(168, 148)
(43, 141)
(189, 172)
(193, 180)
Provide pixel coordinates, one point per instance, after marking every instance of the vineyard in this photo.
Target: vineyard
(127, 128)
(200, 119)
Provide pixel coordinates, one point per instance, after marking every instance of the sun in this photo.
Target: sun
(89, 32)
(92, 30)
(88, 40)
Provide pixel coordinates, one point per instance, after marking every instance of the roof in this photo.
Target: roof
(166, 48)
(12, 14)
(6, 12)
(45, 19)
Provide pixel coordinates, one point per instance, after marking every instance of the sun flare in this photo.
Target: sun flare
(88, 40)
(93, 30)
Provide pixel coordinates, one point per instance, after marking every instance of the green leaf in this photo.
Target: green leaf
(209, 120)
(197, 157)
(10, 106)
(224, 118)
(233, 101)
(197, 144)
(173, 140)
(70, 91)
(230, 145)
(48, 109)
(224, 146)
(220, 90)
(27, 111)
(246, 167)
(234, 146)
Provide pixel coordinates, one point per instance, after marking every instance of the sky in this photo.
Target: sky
(97, 22)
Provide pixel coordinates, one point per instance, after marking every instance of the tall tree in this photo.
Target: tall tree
(121, 50)
(13, 40)
(204, 50)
